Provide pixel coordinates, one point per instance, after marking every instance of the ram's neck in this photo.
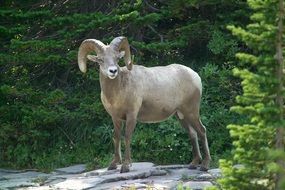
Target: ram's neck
(110, 87)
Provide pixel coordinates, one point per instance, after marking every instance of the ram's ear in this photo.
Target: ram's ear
(94, 58)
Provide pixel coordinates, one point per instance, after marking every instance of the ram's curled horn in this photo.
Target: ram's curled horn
(86, 47)
(121, 44)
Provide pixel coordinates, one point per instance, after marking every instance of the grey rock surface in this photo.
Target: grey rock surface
(9, 171)
(204, 177)
(142, 175)
(215, 172)
(76, 169)
(21, 179)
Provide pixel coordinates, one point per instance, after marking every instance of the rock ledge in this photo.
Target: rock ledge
(143, 175)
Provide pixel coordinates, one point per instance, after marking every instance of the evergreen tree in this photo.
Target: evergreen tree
(279, 144)
(261, 102)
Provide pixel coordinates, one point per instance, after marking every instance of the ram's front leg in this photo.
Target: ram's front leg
(130, 125)
(117, 144)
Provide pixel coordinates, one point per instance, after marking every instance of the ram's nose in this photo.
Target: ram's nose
(113, 70)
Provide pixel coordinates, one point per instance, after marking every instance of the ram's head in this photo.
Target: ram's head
(107, 56)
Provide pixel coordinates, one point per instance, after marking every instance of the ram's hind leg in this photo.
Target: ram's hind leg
(201, 130)
(194, 142)
(117, 144)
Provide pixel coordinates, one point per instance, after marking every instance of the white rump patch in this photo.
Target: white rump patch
(180, 115)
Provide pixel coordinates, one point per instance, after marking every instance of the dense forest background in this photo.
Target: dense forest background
(51, 114)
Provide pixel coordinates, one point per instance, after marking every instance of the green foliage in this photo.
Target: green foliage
(222, 44)
(160, 142)
(51, 114)
(253, 138)
(181, 187)
(219, 90)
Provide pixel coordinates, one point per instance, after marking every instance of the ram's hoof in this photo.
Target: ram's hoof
(125, 168)
(205, 165)
(192, 167)
(204, 169)
(112, 166)
(195, 163)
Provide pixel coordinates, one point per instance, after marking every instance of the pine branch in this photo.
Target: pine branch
(152, 29)
(151, 7)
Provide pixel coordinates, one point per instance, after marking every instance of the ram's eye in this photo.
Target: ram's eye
(100, 61)
(95, 59)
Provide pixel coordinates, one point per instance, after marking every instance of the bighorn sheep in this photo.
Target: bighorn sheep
(137, 93)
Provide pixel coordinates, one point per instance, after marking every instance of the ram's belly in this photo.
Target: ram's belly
(152, 112)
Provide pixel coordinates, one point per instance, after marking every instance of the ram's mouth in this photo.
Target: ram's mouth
(113, 76)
